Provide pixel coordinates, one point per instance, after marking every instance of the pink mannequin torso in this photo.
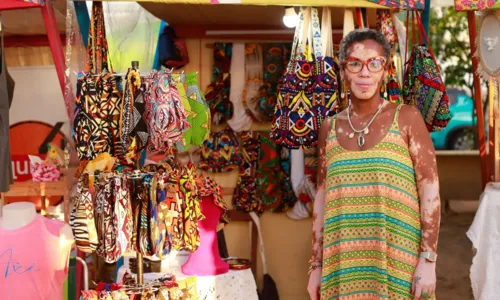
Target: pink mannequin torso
(206, 260)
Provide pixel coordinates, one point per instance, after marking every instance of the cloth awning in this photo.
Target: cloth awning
(463, 5)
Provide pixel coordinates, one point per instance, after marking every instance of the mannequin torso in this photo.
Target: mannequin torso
(20, 214)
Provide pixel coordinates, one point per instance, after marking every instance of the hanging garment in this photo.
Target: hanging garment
(363, 215)
(164, 112)
(245, 196)
(240, 120)
(82, 218)
(221, 152)
(6, 95)
(423, 86)
(96, 124)
(217, 96)
(32, 257)
(308, 92)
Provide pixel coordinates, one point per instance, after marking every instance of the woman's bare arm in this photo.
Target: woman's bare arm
(426, 174)
(319, 199)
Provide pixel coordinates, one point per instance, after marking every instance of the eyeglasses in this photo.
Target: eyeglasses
(355, 65)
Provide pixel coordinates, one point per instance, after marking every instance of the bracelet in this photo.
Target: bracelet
(314, 266)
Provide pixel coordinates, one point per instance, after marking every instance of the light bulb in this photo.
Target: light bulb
(290, 19)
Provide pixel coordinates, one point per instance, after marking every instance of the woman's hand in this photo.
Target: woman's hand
(424, 280)
(314, 285)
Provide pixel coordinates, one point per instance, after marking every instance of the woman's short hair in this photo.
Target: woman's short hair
(360, 35)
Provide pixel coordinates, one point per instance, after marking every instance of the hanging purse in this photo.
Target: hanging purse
(134, 132)
(423, 86)
(245, 196)
(217, 96)
(185, 141)
(96, 124)
(308, 92)
(166, 117)
(221, 152)
(201, 121)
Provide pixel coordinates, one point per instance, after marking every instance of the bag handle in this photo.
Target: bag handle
(297, 36)
(316, 33)
(313, 32)
(422, 31)
(256, 220)
(326, 33)
(97, 40)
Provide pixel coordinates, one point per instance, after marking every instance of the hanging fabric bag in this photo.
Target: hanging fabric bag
(423, 86)
(308, 92)
(96, 124)
(167, 120)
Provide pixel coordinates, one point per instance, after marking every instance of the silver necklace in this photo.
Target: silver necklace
(361, 133)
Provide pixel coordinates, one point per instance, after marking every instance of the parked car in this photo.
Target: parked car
(458, 134)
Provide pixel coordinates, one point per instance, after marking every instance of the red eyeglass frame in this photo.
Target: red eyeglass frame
(365, 63)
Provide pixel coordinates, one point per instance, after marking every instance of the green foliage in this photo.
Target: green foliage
(449, 38)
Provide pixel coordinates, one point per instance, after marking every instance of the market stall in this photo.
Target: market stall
(212, 50)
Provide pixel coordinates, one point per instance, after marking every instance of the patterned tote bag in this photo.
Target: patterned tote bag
(308, 92)
(96, 123)
(423, 86)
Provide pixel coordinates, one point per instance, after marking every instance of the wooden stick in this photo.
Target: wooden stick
(491, 104)
(478, 102)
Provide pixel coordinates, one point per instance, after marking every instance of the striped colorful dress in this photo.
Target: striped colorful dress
(372, 220)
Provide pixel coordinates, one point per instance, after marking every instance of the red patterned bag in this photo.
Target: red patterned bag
(166, 117)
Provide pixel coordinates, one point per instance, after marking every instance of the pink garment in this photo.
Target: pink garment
(29, 259)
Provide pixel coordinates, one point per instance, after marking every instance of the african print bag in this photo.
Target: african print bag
(96, 123)
(185, 141)
(423, 86)
(246, 197)
(221, 152)
(217, 96)
(273, 176)
(198, 115)
(392, 85)
(82, 218)
(134, 132)
(308, 92)
(165, 114)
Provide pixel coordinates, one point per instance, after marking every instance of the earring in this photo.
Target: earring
(384, 88)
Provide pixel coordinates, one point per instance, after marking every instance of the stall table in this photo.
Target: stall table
(230, 286)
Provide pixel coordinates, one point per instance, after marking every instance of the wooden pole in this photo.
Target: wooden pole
(478, 102)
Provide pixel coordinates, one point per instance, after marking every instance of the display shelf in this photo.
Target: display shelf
(42, 189)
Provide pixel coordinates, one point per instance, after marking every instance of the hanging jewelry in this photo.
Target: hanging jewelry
(361, 133)
(385, 90)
